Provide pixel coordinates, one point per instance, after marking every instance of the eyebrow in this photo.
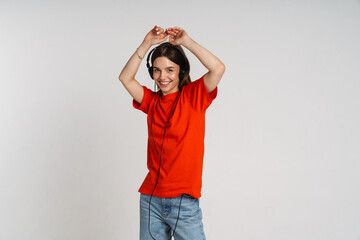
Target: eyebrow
(165, 68)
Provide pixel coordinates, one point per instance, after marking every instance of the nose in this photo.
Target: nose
(162, 74)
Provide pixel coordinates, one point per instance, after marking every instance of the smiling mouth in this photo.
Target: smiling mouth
(163, 83)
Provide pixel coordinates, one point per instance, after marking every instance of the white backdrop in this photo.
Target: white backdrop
(282, 154)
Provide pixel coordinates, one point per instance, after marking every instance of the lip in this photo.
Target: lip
(164, 83)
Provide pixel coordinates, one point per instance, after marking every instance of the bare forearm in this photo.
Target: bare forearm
(209, 60)
(129, 71)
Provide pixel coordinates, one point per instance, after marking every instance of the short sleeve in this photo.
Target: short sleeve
(144, 105)
(199, 97)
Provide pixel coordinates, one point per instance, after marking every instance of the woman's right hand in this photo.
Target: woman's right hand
(156, 35)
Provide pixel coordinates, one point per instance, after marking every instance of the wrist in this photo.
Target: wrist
(142, 49)
(187, 42)
(146, 44)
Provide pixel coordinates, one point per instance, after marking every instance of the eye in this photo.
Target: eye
(170, 70)
(156, 70)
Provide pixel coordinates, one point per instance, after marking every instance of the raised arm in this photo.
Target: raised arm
(216, 68)
(127, 75)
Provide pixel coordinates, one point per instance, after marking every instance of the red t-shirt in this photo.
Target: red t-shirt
(183, 149)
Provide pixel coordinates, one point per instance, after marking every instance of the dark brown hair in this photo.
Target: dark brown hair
(177, 55)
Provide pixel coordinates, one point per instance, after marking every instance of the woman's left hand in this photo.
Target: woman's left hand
(178, 36)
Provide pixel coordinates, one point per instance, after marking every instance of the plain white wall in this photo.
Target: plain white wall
(282, 156)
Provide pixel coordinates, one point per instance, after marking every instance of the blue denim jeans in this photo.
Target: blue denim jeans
(163, 216)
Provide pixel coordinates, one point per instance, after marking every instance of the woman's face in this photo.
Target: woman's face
(166, 75)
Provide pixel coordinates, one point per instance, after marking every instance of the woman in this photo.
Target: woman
(169, 200)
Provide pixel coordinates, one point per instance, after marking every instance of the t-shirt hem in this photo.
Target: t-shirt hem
(172, 195)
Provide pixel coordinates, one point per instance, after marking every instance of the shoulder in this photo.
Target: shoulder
(198, 87)
(148, 97)
(197, 95)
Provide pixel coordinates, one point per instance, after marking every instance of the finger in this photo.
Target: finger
(158, 30)
(164, 37)
(161, 31)
(173, 30)
(172, 33)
